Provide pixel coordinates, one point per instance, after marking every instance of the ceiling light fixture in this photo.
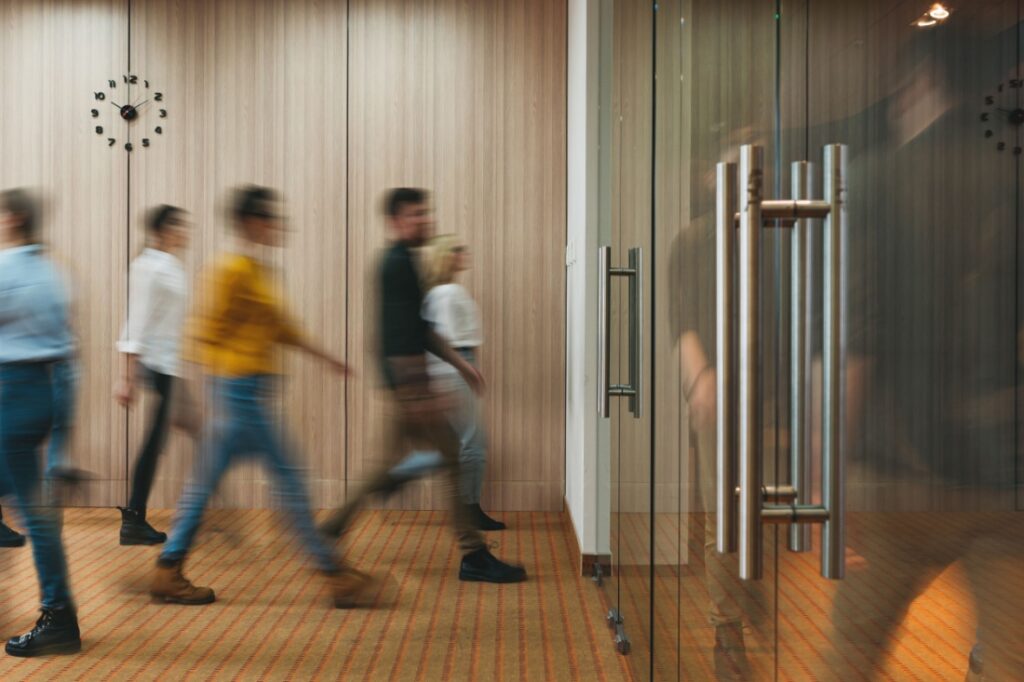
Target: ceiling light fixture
(939, 12)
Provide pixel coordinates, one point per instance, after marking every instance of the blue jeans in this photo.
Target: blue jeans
(65, 382)
(26, 416)
(243, 426)
(464, 418)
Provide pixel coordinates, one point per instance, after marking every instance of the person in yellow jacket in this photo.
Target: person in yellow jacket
(240, 323)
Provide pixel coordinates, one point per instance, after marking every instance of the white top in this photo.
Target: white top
(455, 317)
(157, 291)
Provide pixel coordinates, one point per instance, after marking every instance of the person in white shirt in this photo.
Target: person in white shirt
(151, 344)
(455, 317)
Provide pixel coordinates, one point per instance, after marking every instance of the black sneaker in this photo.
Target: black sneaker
(10, 537)
(56, 632)
(136, 531)
(481, 520)
(482, 566)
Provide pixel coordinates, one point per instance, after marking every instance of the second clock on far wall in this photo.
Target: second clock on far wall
(128, 111)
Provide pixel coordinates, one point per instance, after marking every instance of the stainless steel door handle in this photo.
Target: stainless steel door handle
(605, 389)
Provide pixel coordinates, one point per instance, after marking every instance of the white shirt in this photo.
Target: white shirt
(455, 317)
(157, 291)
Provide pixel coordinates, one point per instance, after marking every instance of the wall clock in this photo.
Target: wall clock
(1003, 116)
(128, 108)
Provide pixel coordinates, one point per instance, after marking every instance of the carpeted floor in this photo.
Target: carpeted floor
(273, 619)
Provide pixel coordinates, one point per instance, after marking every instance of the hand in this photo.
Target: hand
(339, 367)
(473, 378)
(124, 392)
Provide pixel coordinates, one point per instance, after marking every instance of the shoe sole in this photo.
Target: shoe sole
(52, 650)
(472, 578)
(147, 543)
(164, 599)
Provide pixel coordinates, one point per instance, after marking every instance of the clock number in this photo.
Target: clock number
(99, 96)
(159, 130)
(163, 113)
(112, 83)
(110, 141)
(989, 133)
(984, 117)
(990, 100)
(132, 80)
(128, 146)
(1015, 83)
(145, 142)
(146, 83)
(159, 97)
(1000, 88)
(1017, 151)
(94, 112)
(99, 130)
(1001, 146)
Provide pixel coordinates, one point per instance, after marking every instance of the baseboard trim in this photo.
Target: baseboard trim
(585, 562)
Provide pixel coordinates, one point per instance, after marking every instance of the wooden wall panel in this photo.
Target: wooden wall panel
(54, 56)
(468, 100)
(256, 94)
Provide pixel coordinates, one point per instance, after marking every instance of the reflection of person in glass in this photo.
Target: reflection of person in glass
(733, 603)
(241, 321)
(34, 335)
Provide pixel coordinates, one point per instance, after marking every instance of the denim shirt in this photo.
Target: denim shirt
(33, 308)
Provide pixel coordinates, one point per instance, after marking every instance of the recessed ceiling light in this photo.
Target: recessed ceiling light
(925, 22)
(938, 11)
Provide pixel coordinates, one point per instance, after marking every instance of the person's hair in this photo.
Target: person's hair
(400, 197)
(438, 260)
(158, 217)
(251, 202)
(22, 203)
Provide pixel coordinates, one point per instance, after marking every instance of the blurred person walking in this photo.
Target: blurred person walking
(240, 323)
(34, 337)
(418, 408)
(151, 345)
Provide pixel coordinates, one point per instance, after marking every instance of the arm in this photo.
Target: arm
(141, 312)
(698, 379)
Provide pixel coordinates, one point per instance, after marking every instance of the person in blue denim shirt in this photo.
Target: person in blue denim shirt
(34, 336)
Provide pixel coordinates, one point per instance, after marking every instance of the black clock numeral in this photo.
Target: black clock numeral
(145, 142)
(112, 83)
(159, 130)
(163, 113)
(989, 133)
(128, 146)
(94, 112)
(1001, 146)
(984, 117)
(99, 96)
(132, 80)
(1017, 151)
(146, 83)
(99, 130)
(159, 96)
(990, 99)
(1015, 83)
(110, 141)
(1000, 88)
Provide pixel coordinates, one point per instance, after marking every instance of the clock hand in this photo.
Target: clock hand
(113, 103)
(140, 103)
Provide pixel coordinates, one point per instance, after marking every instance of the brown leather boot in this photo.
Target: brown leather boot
(170, 586)
(351, 588)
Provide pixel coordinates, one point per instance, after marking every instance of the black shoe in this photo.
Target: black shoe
(136, 531)
(482, 566)
(481, 520)
(10, 537)
(56, 632)
(731, 654)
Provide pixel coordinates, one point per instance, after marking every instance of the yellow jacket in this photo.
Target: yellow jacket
(240, 319)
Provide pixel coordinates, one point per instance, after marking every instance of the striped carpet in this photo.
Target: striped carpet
(273, 621)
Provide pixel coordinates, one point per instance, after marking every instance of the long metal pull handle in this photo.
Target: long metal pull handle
(725, 375)
(801, 281)
(833, 545)
(604, 256)
(636, 330)
(750, 530)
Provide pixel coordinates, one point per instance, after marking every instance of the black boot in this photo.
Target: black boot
(10, 537)
(481, 520)
(731, 653)
(135, 530)
(56, 632)
(482, 566)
